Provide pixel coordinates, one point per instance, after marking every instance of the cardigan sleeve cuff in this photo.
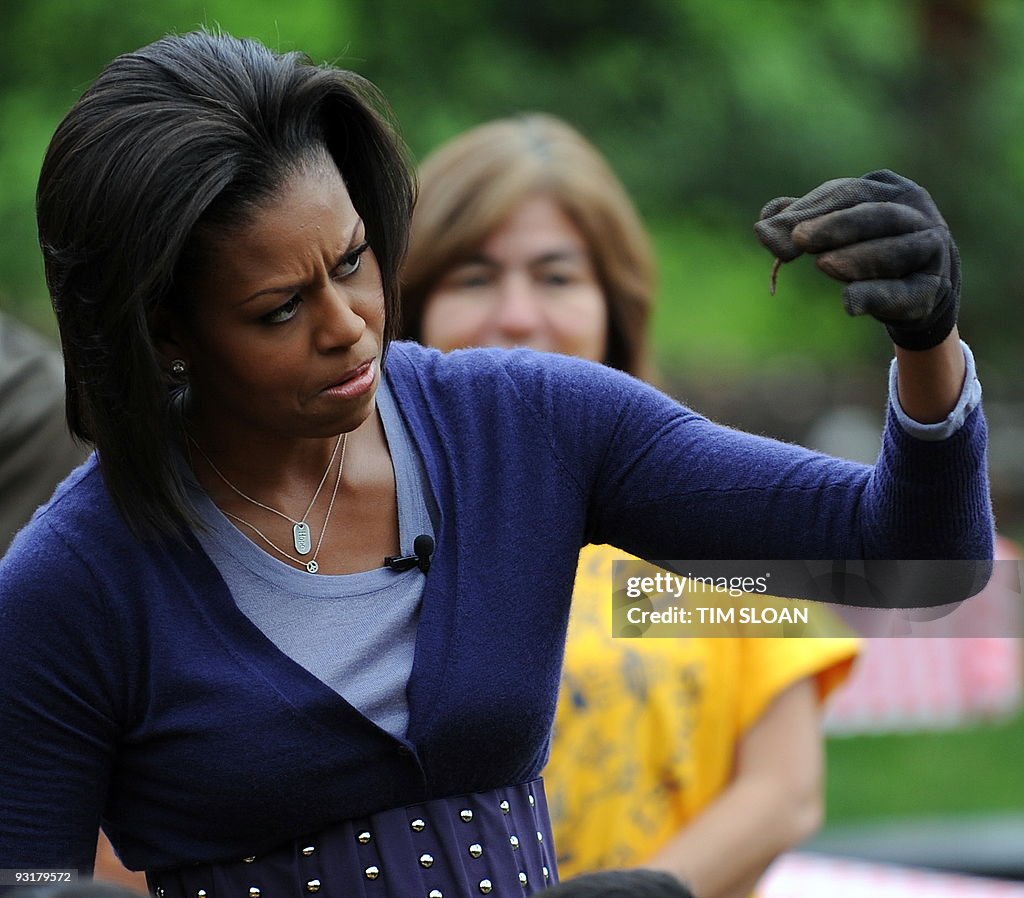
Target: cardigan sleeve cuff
(970, 399)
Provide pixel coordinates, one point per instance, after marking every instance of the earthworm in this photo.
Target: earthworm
(776, 265)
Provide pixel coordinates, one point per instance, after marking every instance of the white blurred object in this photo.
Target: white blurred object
(928, 683)
(797, 875)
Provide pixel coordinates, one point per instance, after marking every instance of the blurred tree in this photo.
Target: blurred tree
(706, 110)
(52, 49)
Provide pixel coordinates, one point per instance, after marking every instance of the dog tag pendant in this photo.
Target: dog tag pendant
(300, 536)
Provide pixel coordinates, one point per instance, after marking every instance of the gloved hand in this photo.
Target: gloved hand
(884, 236)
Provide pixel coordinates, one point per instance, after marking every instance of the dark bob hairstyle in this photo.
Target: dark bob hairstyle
(173, 140)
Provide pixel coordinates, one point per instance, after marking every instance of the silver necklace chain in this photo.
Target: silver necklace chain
(312, 566)
(301, 537)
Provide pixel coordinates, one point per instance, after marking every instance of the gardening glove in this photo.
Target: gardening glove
(883, 235)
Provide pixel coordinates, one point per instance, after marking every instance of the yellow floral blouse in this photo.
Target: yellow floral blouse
(646, 730)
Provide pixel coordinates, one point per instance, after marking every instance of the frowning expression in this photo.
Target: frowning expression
(286, 329)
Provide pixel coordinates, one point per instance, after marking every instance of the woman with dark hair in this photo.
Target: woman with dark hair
(221, 641)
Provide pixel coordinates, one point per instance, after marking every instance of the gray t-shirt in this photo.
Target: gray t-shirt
(354, 632)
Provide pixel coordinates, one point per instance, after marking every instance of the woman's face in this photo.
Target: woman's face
(531, 283)
(285, 334)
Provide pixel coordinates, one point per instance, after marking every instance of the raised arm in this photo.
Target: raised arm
(926, 497)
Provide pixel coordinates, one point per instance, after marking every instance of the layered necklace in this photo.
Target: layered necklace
(301, 533)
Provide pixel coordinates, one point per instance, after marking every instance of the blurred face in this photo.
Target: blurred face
(531, 283)
(285, 335)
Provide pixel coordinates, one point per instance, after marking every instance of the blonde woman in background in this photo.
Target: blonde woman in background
(702, 757)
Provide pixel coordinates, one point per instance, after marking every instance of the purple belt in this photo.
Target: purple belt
(486, 843)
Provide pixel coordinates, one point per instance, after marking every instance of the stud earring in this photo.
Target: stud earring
(178, 369)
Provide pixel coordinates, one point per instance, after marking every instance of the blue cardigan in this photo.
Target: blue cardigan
(135, 692)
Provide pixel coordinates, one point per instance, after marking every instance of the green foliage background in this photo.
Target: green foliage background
(706, 110)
